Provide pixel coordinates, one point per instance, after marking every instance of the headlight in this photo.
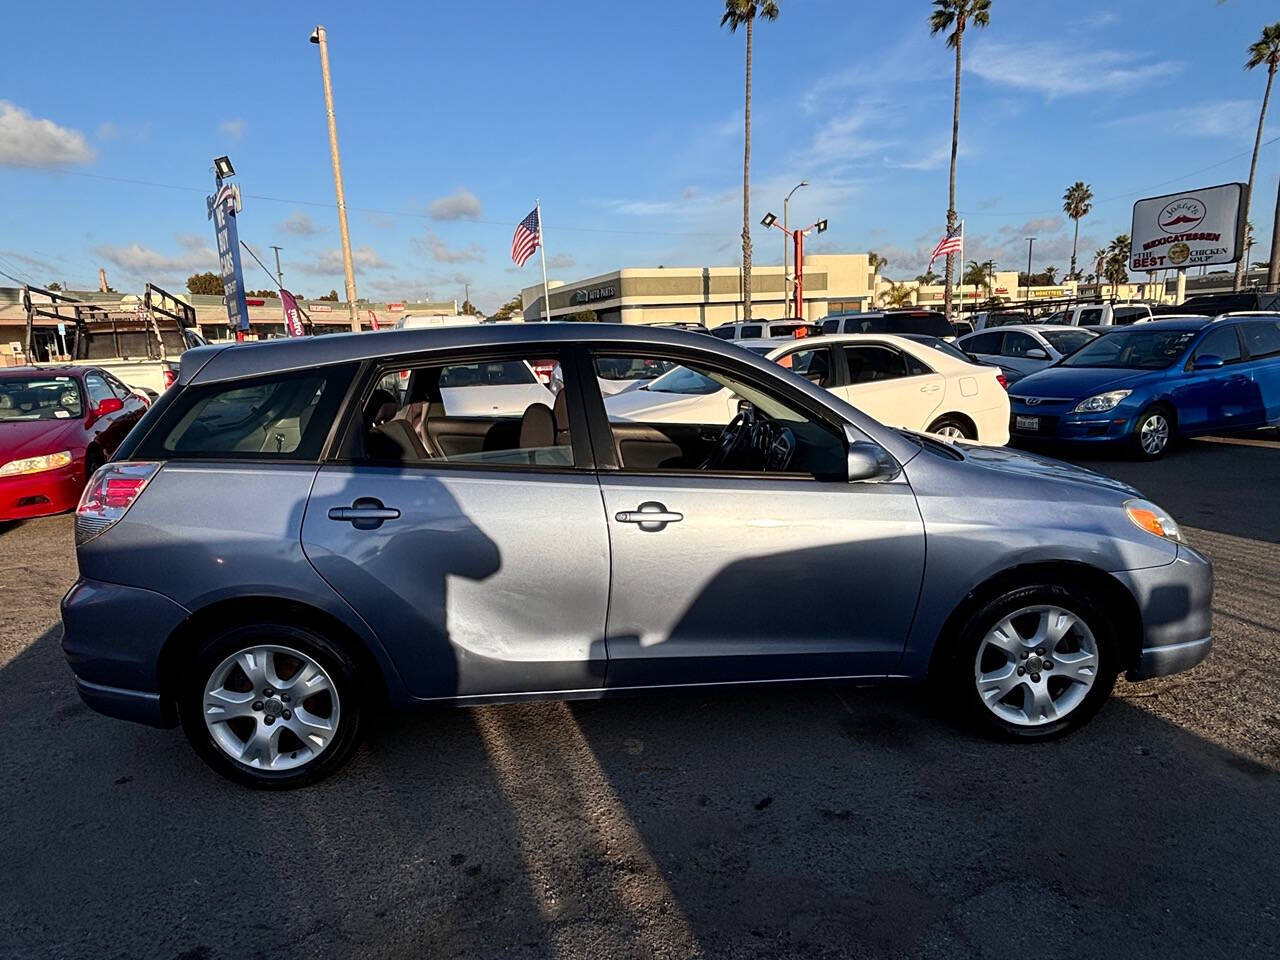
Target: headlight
(1152, 519)
(50, 461)
(1102, 402)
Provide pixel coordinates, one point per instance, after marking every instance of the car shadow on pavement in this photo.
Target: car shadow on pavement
(798, 822)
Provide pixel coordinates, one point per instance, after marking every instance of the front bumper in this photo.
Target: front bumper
(41, 494)
(112, 636)
(1060, 422)
(1176, 604)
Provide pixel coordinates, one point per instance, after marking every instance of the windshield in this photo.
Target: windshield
(1067, 341)
(53, 398)
(1133, 350)
(684, 380)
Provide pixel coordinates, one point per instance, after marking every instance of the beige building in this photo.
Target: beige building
(707, 295)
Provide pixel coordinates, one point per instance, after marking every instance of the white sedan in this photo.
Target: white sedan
(899, 381)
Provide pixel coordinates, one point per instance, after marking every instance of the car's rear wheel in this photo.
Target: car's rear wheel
(272, 705)
(1036, 662)
(953, 428)
(1153, 433)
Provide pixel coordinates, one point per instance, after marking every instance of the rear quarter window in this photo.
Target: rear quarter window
(276, 417)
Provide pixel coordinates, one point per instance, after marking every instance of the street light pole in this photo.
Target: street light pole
(1030, 242)
(786, 280)
(318, 36)
(279, 275)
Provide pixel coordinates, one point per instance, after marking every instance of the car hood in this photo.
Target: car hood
(631, 403)
(1071, 383)
(33, 438)
(1019, 463)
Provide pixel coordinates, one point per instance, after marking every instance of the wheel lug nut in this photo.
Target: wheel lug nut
(268, 692)
(257, 704)
(284, 697)
(1021, 671)
(1023, 654)
(268, 720)
(1035, 678)
(1048, 664)
(1039, 651)
(288, 714)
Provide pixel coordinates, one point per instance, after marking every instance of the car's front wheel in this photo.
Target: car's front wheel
(1036, 662)
(1153, 433)
(272, 705)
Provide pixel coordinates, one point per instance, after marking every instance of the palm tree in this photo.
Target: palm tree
(955, 15)
(1076, 204)
(975, 274)
(876, 263)
(928, 278)
(1266, 50)
(1099, 263)
(743, 13)
(1050, 274)
(899, 295)
(1116, 269)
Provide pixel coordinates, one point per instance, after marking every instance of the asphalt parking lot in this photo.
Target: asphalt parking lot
(802, 823)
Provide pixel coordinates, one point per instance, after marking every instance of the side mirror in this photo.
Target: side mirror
(866, 460)
(1207, 361)
(107, 406)
(1035, 353)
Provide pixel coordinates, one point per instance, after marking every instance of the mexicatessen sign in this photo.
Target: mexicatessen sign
(1194, 228)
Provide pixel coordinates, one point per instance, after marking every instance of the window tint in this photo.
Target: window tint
(831, 325)
(1090, 318)
(814, 365)
(1223, 343)
(873, 362)
(284, 416)
(491, 413)
(97, 389)
(1016, 344)
(1127, 315)
(934, 324)
(987, 343)
(751, 332)
(724, 333)
(651, 434)
(1262, 337)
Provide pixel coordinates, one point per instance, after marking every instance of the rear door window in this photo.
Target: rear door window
(751, 331)
(281, 416)
(1262, 337)
(1016, 344)
(724, 333)
(869, 363)
(1091, 318)
(984, 343)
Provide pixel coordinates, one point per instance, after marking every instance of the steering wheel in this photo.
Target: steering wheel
(734, 439)
(777, 444)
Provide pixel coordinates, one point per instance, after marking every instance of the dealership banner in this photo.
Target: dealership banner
(292, 318)
(222, 211)
(1194, 228)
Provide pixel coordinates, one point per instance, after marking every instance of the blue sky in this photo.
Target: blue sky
(626, 119)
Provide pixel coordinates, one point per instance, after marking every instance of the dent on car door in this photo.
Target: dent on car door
(724, 573)
(482, 571)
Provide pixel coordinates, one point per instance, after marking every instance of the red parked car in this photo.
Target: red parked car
(57, 426)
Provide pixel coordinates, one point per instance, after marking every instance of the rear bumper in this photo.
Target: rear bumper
(1175, 601)
(112, 637)
(41, 494)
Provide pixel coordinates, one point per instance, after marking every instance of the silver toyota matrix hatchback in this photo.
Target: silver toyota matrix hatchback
(299, 532)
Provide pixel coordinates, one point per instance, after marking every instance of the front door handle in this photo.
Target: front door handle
(366, 513)
(651, 516)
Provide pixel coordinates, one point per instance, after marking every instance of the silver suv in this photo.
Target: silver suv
(301, 530)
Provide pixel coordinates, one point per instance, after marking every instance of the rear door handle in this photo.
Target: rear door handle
(366, 513)
(651, 516)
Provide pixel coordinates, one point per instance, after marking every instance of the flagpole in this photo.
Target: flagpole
(542, 252)
(961, 273)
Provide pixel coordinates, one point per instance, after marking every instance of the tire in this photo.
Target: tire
(953, 428)
(283, 741)
(1153, 433)
(1013, 706)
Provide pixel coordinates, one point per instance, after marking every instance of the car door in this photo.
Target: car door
(1216, 398)
(724, 575)
(484, 570)
(106, 429)
(885, 383)
(1262, 340)
(1013, 353)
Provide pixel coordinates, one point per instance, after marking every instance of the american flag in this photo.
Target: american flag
(953, 242)
(525, 242)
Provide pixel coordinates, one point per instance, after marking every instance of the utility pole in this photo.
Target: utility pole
(786, 236)
(318, 36)
(1030, 243)
(279, 275)
(466, 294)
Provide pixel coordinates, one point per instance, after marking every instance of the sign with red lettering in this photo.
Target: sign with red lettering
(394, 307)
(1190, 229)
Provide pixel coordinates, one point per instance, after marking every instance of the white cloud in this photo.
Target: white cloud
(147, 263)
(1228, 119)
(329, 262)
(108, 131)
(561, 261)
(435, 247)
(27, 141)
(233, 130)
(1034, 228)
(462, 204)
(300, 224)
(1061, 69)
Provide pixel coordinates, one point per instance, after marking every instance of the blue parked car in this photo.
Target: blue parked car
(1143, 385)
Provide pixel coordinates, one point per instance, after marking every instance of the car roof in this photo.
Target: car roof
(1170, 323)
(227, 361)
(46, 370)
(1030, 328)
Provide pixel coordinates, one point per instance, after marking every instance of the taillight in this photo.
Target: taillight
(108, 496)
(170, 378)
(1002, 380)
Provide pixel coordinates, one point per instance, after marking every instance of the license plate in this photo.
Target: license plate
(1028, 423)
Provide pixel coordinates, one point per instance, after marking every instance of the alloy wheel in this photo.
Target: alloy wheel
(1036, 665)
(271, 707)
(1153, 434)
(951, 432)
